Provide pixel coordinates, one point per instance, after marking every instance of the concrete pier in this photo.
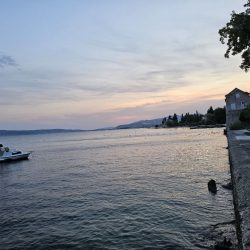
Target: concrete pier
(239, 153)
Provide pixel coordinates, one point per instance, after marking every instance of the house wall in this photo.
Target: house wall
(235, 103)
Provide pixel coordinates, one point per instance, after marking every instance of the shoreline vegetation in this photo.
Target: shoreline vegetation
(244, 120)
(213, 118)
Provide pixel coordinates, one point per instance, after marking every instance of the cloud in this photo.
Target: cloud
(147, 110)
(6, 61)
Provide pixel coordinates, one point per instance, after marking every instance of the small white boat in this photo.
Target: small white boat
(12, 155)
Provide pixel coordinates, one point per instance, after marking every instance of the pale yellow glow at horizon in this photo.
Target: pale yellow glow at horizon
(190, 94)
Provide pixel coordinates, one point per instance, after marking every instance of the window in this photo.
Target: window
(242, 105)
(233, 106)
(237, 95)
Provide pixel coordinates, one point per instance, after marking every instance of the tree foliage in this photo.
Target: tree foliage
(237, 34)
(210, 110)
(245, 115)
(164, 120)
(212, 117)
(216, 116)
(172, 121)
(175, 119)
(190, 119)
(220, 115)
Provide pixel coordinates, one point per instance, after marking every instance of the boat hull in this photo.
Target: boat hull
(17, 157)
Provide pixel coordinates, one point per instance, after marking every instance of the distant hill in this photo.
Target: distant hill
(101, 129)
(141, 124)
(38, 131)
(137, 124)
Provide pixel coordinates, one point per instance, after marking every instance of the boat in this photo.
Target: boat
(12, 155)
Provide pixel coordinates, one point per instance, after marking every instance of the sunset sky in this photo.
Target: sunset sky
(100, 63)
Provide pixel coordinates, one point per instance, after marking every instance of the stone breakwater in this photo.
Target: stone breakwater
(239, 155)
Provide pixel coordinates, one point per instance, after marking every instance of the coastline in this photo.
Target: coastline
(239, 157)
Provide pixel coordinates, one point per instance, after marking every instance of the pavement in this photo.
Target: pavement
(239, 152)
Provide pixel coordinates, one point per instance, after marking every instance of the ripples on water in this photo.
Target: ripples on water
(124, 189)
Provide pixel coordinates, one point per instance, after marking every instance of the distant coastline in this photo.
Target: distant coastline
(213, 118)
(38, 131)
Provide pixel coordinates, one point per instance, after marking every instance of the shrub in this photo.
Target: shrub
(236, 126)
(245, 115)
(220, 115)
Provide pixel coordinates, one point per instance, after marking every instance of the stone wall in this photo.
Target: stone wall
(239, 153)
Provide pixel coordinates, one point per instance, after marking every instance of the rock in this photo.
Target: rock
(228, 186)
(223, 235)
(212, 186)
(224, 245)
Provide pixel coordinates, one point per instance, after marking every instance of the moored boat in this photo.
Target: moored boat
(12, 155)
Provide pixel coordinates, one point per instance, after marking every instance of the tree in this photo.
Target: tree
(237, 34)
(182, 119)
(175, 119)
(210, 119)
(245, 115)
(210, 110)
(220, 115)
(172, 121)
(164, 120)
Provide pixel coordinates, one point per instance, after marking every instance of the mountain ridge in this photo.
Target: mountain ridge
(141, 124)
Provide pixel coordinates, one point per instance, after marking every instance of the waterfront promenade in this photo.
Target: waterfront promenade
(239, 152)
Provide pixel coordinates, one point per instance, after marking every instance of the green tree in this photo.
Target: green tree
(182, 119)
(172, 121)
(164, 120)
(210, 110)
(245, 115)
(175, 119)
(237, 34)
(220, 115)
(210, 119)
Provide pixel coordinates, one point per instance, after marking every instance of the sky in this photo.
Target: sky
(100, 63)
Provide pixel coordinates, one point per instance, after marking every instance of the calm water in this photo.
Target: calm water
(127, 189)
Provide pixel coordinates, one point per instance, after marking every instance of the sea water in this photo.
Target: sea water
(118, 189)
